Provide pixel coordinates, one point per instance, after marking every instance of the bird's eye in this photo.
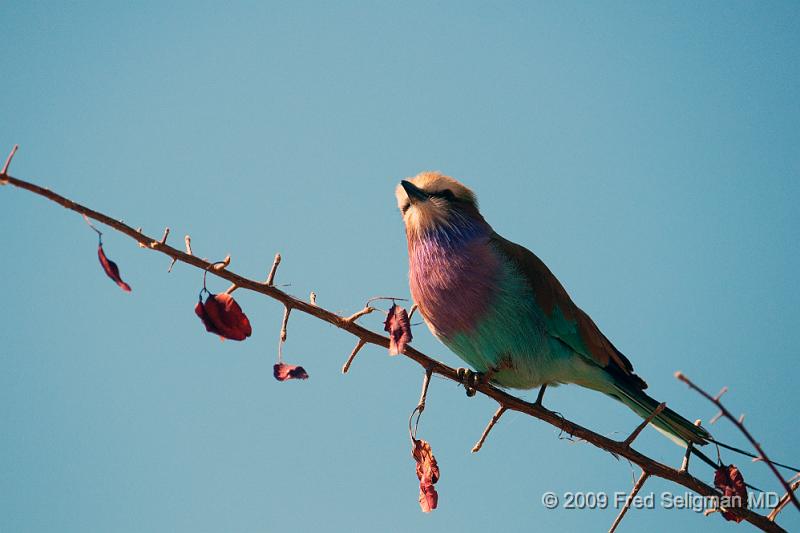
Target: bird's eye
(447, 194)
(405, 207)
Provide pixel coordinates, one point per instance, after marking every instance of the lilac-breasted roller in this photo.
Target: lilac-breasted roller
(500, 309)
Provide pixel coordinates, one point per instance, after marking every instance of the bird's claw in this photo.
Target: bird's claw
(470, 380)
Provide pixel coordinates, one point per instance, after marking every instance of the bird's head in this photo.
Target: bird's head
(431, 201)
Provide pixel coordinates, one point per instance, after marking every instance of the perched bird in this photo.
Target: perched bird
(500, 309)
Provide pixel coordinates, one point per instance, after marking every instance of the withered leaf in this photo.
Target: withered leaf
(111, 269)
(399, 329)
(730, 481)
(282, 372)
(222, 315)
(427, 473)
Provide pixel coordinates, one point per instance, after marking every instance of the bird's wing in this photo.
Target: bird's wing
(565, 320)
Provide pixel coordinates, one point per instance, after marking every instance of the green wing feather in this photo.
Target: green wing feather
(565, 320)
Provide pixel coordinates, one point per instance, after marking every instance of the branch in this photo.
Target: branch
(489, 426)
(636, 488)
(346, 367)
(4, 172)
(649, 466)
(783, 501)
(640, 427)
(739, 423)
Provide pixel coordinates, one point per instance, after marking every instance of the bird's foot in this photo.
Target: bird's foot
(470, 379)
(539, 396)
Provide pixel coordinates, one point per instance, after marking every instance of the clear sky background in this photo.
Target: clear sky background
(649, 153)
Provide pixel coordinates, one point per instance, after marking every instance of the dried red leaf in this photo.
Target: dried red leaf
(427, 473)
(730, 481)
(222, 315)
(111, 269)
(399, 328)
(282, 372)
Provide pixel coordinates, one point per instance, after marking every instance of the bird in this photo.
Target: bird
(500, 309)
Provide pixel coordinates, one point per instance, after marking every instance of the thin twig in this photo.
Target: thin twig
(648, 464)
(222, 265)
(688, 455)
(4, 172)
(188, 241)
(358, 314)
(489, 426)
(640, 427)
(273, 270)
(285, 322)
(424, 394)
(376, 298)
(738, 423)
(360, 344)
(636, 488)
(99, 233)
(783, 501)
(426, 381)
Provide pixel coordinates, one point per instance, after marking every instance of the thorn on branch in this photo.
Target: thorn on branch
(722, 391)
(640, 427)
(273, 270)
(163, 240)
(172, 264)
(355, 316)
(138, 230)
(222, 265)
(312, 298)
(4, 172)
(636, 488)
(188, 241)
(282, 338)
(685, 463)
(688, 454)
(492, 422)
(285, 322)
(360, 344)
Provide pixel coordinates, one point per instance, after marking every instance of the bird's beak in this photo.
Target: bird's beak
(415, 194)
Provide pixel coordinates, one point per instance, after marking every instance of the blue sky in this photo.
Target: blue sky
(647, 152)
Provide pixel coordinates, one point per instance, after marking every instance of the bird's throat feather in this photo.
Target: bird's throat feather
(453, 275)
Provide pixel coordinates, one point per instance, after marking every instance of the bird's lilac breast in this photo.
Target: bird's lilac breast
(453, 283)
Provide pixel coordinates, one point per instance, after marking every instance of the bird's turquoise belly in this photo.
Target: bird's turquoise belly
(509, 341)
